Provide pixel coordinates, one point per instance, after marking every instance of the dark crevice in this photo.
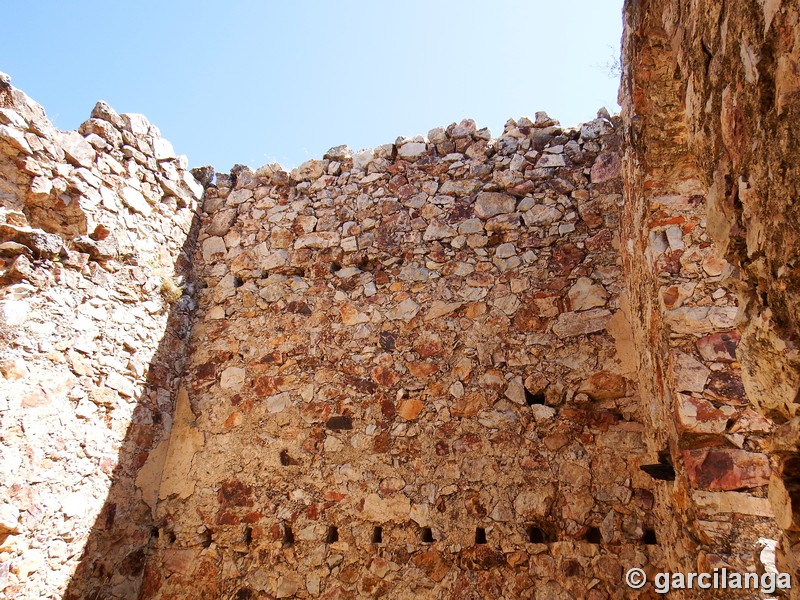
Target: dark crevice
(593, 536)
(534, 398)
(427, 535)
(288, 535)
(480, 535)
(377, 535)
(537, 535)
(206, 539)
(333, 535)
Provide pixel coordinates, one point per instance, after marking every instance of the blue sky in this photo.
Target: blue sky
(254, 82)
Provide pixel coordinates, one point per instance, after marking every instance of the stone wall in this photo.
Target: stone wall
(710, 97)
(411, 375)
(93, 227)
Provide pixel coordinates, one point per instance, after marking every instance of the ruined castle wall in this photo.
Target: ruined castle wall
(710, 102)
(401, 351)
(92, 233)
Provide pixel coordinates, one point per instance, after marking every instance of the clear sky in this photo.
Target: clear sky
(252, 82)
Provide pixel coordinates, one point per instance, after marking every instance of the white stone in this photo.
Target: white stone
(394, 508)
(15, 138)
(690, 374)
(420, 514)
(362, 158)
(586, 294)
(232, 379)
(134, 200)
(405, 311)
(278, 403)
(570, 324)
(9, 519)
(541, 214)
(75, 505)
(550, 160)
(136, 123)
(438, 231)
(14, 312)
(214, 249)
(162, 149)
(490, 204)
(412, 150)
(274, 260)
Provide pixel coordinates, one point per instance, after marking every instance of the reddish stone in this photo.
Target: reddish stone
(719, 347)
(151, 582)
(663, 222)
(349, 573)
(387, 340)
(235, 493)
(602, 240)
(333, 496)
(422, 369)
(523, 189)
(207, 370)
(316, 411)
(482, 557)
(252, 517)
(374, 587)
(298, 308)
(480, 280)
(727, 387)
(606, 167)
(385, 376)
(527, 319)
(726, 469)
(468, 406)
(339, 423)
(410, 409)
(460, 210)
(273, 358)
(226, 518)
(362, 385)
(566, 256)
(427, 346)
(382, 443)
(267, 386)
(475, 310)
(670, 297)
(670, 262)
(432, 564)
(470, 442)
(474, 506)
(604, 385)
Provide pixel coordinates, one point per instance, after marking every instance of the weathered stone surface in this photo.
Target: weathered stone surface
(380, 510)
(406, 337)
(490, 204)
(724, 469)
(572, 324)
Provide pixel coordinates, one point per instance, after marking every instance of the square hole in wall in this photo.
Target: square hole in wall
(426, 535)
(480, 535)
(377, 535)
(333, 535)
